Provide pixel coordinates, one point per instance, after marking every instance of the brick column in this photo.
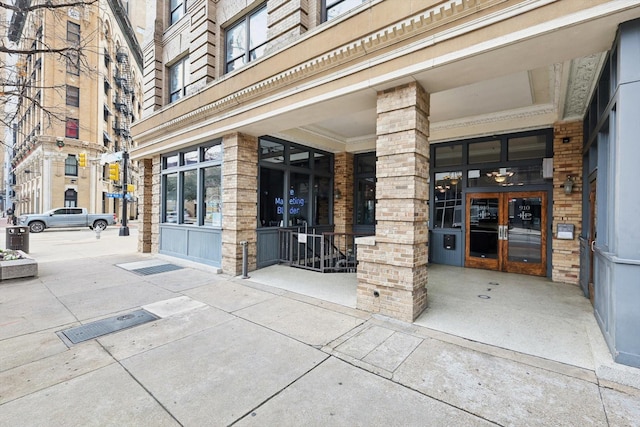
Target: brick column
(239, 201)
(567, 208)
(392, 269)
(146, 205)
(343, 185)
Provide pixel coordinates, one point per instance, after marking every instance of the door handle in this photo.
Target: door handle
(593, 244)
(500, 231)
(505, 232)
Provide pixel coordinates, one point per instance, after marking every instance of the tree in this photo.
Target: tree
(24, 44)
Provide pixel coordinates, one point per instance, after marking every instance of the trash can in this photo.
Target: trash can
(18, 238)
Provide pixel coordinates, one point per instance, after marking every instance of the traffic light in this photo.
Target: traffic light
(114, 171)
(82, 160)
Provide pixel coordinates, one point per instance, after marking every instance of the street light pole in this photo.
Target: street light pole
(124, 230)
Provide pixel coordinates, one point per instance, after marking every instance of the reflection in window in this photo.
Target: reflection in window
(322, 198)
(190, 196)
(171, 161)
(271, 197)
(505, 177)
(177, 8)
(246, 40)
(272, 152)
(365, 196)
(447, 193)
(298, 199)
(366, 201)
(450, 155)
(178, 79)
(484, 152)
(212, 153)
(322, 163)
(338, 7)
(212, 203)
(299, 157)
(170, 197)
(190, 157)
(528, 147)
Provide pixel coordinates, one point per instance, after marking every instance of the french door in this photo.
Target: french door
(507, 232)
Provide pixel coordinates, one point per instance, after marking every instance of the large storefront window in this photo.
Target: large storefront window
(192, 186)
(295, 185)
(448, 200)
(365, 197)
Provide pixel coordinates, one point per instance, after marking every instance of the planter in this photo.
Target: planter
(17, 268)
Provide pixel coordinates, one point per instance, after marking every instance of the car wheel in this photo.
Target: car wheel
(36, 227)
(100, 225)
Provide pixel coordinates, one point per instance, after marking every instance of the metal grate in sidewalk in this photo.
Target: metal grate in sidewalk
(155, 269)
(102, 327)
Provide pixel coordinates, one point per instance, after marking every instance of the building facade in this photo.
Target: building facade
(76, 107)
(467, 133)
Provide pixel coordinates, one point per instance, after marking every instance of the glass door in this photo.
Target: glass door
(507, 232)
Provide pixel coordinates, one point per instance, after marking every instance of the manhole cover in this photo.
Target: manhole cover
(106, 326)
(155, 269)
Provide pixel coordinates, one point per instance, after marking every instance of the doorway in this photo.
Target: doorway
(507, 232)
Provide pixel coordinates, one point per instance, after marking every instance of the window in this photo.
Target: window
(73, 96)
(365, 197)
(73, 33)
(178, 80)
(71, 165)
(73, 56)
(448, 199)
(192, 187)
(294, 190)
(70, 201)
(246, 40)
(177, 9)
(72, 128)
(333, 8)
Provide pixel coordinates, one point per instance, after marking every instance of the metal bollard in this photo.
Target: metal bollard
(245, 259)
(97, 230)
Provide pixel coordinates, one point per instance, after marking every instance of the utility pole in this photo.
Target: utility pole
(124, 230)
(124, 107)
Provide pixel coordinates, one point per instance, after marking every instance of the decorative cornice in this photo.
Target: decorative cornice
(423, 22)
(582, 78)
(516, 114)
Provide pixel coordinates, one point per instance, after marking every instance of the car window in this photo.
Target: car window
(75, 211)
(60, 212)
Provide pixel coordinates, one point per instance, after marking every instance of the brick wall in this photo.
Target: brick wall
(145, 205)
(239, 201)
(567, 209)
(343, 183)
(392, 269)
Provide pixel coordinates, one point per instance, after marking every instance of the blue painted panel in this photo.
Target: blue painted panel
(267, 247)
(439, 255)
(195, 244)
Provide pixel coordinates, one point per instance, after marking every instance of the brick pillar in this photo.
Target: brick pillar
(392, 269)
(146, 205)
(567, 208)
(239, 201)
(343, 185)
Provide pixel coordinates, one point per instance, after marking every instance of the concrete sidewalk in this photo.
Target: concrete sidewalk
(227, 351)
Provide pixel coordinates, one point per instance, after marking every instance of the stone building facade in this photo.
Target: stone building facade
(435, 131)
(76, 109)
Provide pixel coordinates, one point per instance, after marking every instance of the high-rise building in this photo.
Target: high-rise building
(76, 106)
(485, 134)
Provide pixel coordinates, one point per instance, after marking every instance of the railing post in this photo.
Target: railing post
(245, 259)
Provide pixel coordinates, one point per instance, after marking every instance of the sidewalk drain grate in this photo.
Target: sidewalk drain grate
(155, 269)
(106, 326)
